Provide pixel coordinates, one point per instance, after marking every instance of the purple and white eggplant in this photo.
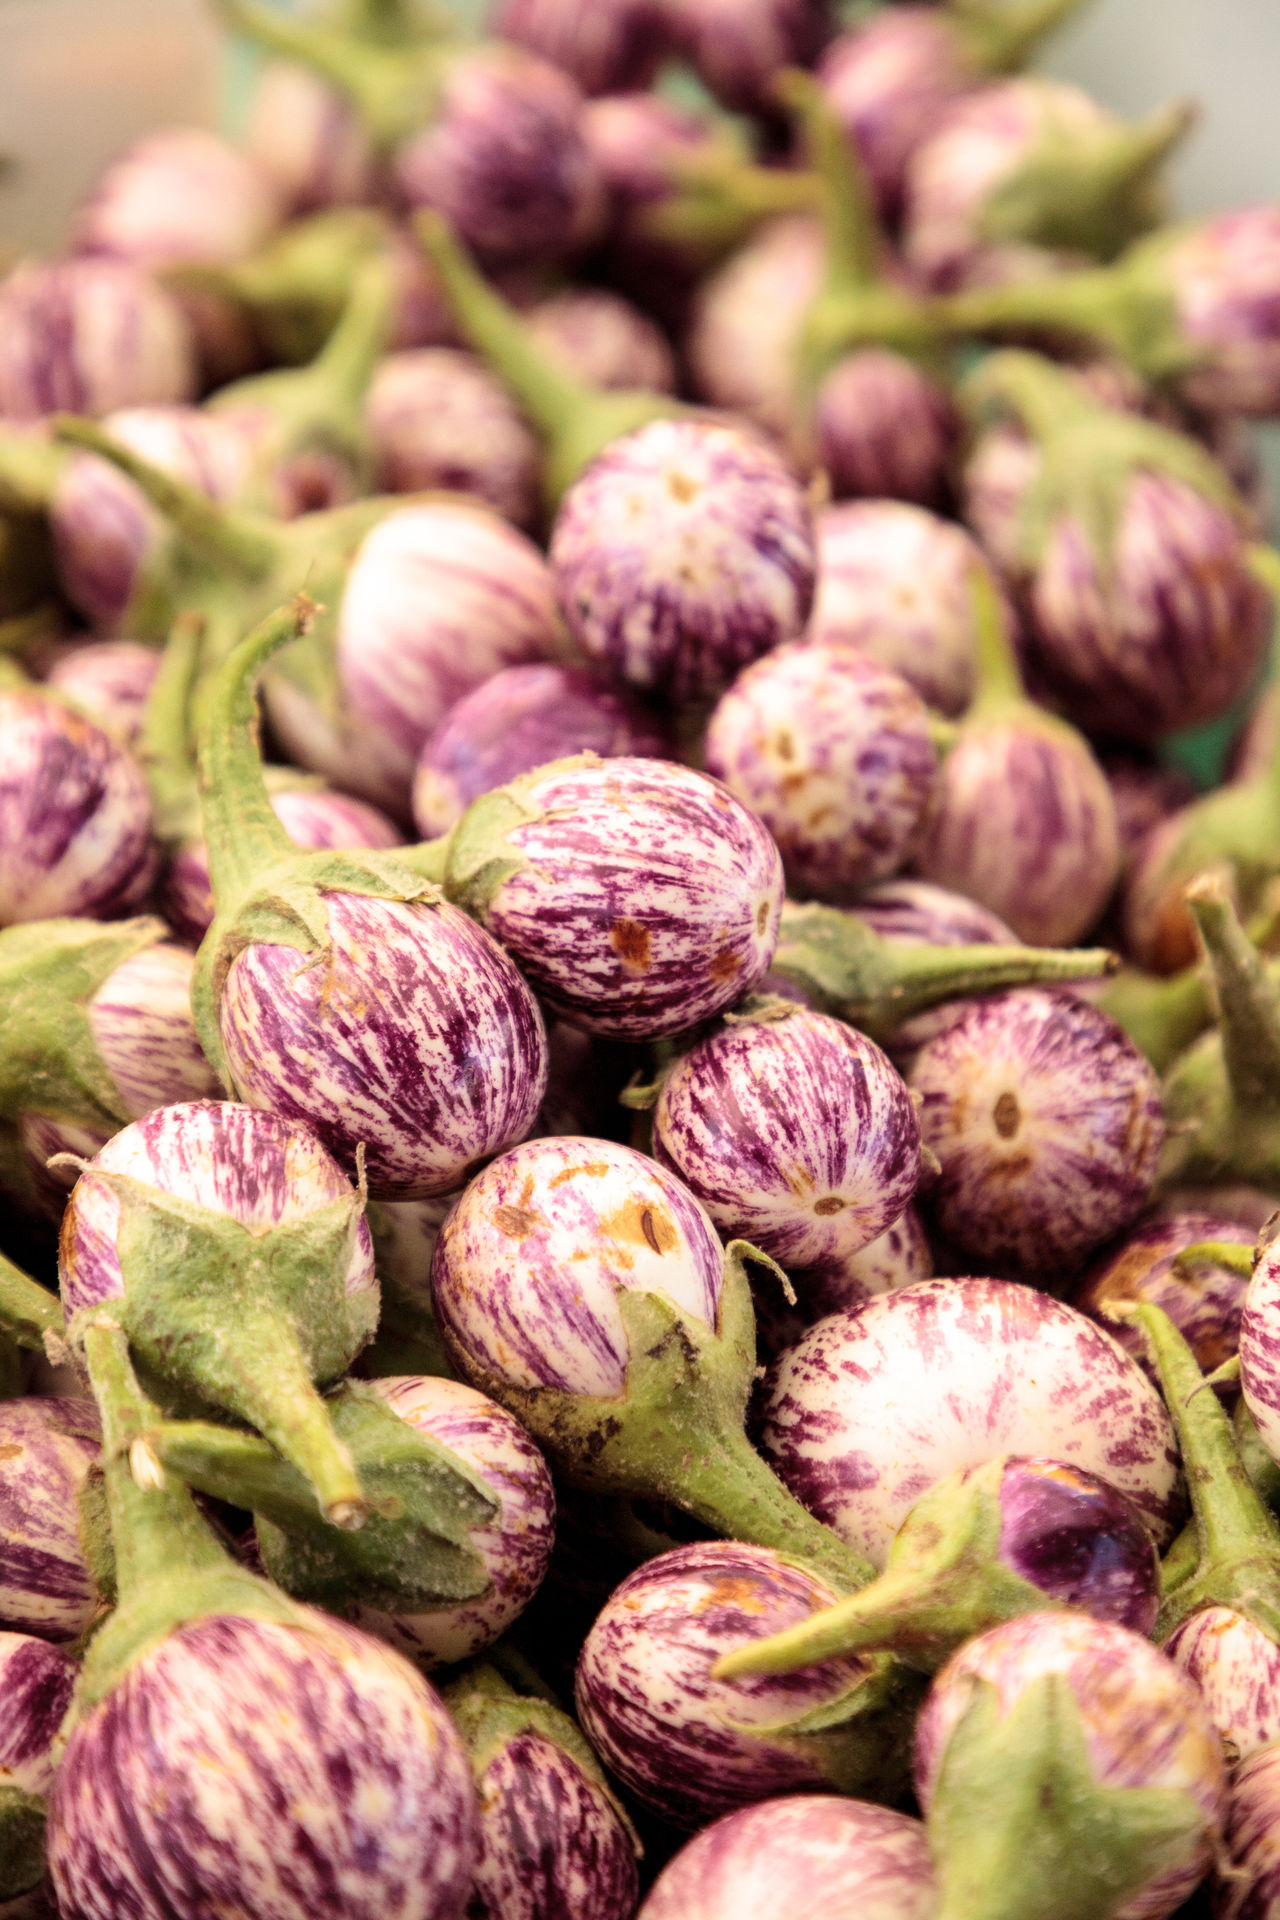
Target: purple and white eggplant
(179, 194)
(1159, 1264)
(438, 419)
(222, 1807)
(1259, 1346)
(55, 1558)
(341, 991)
(608, 48)
(746, 324)
(1049, 1723)
(235, 1254)
(553, 1839)
(75, 816)
(304, 138)
(1048, 1127)
(1248, 1882)
(109, 681)
(884, 430)
(896, 582)
(692, 1747)
(519, 719)
(794, 1132)
(985, 1545)
(1012, 1372)
(639, 897)
(846, 1854)
(604, 341)
(584, 1288)
(36, 1681)
(738, 46)
(834, 753)
(89, 336)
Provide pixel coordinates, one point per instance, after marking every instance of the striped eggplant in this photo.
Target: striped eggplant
(985, 1545)
(847, 1855)
(1050, 1722)
(303, 136)
(583, 1287)
(553, 1839)
(794, 1132)
(55, 1558)
(894, 581)
(1259, 1342)
(603, 340)
(1048, 1125)
(178, 194)
(745, 326)
(1028, 168)
(1158, 1263)
(691, 1747)
(75, 817)
(834, 753)
(437, 418)
(897, 1258)
(235, 1252)
(519, 719)
(639, 897)
(35, 1684)
(737, 49)
(1248, 1883)
(1012, 1371)
(89, 336)
(185, 1785)
(884, 430)
(609, 46)
(109, 681)
(342, 991)
(95, 1031)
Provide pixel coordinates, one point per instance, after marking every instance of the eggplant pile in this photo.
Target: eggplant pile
(639, 1036)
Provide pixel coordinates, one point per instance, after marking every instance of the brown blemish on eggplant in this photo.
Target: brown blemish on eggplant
(725, 967)
(1007, 1115)
(515, 1221)
(631, 942)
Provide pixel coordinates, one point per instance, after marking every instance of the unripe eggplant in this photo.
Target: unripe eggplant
(583, 1287)
(438, 419)
(37, 1681)
(898, 1258)
(109, 680)
(373, 1814)
(846, 1854)
(794, 1132)
(1048, 1125)
(54, 1557)
(75, 816)
(553, 1839)
(1159, 1263)
(90, 336)
(639, 897)
(304, 137)
(519, 719)
(896, 582)
(343, 992)
(604, 341)
(609, 46)
(884, 429)
(691, 1747)
(181, 193)
(1098, 1771)
(1023, 1374)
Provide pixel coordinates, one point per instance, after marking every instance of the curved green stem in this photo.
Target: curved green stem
(1000, 38)
(999, 676)
(165, 748)
(848, 209)
(1248, 999)
(1162, 1015)
(27, 1310)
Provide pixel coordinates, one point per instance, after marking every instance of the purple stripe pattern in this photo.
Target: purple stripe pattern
(602, 339)
(649, 900)
(439, 597)
(247, 1767)
(417, 1039)
(520, 719)
(110, 681)
(505, 161)
(898, 1258)
(1236, 1667)
(1048, 1124)
(1224, 275)
(260, 1168)
(1144, 1723)
(35, 1691)
(796, 1134)
(918, 910)
(1025, 823)
(609, 46)
(840, 1856)
(737, 46)
(1166, 633)
(88, 336)
(75, 816)
(1203, 1301)
(890, 81)
(690, 1747)
(179, 194)
(1260, 1348)
(1248, 1883)
(315, 818)
(833, 752)
(515, 1549)
(307, 140)
(746, 322)
(437, 418)
(885, 430)
(683, 553)
(551, 1845)
(1079, 1541)
(849, 1429)
(896, 582)
(1002, 465)
(46, 1450)
(528, 1267)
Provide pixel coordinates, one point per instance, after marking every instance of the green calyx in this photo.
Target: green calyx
(30, 468)
(28, 1311)
(876, 984)
(718, 196)
(1161, 1015)
(222, 1316)
(49, 1060)
(575, 422)
(171, 1568)
(1021, 1829)
(1238, 1537)
(944, 1582)
(1089, 454)
(1000, 38)
(22, 1823)
(414, 1553)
